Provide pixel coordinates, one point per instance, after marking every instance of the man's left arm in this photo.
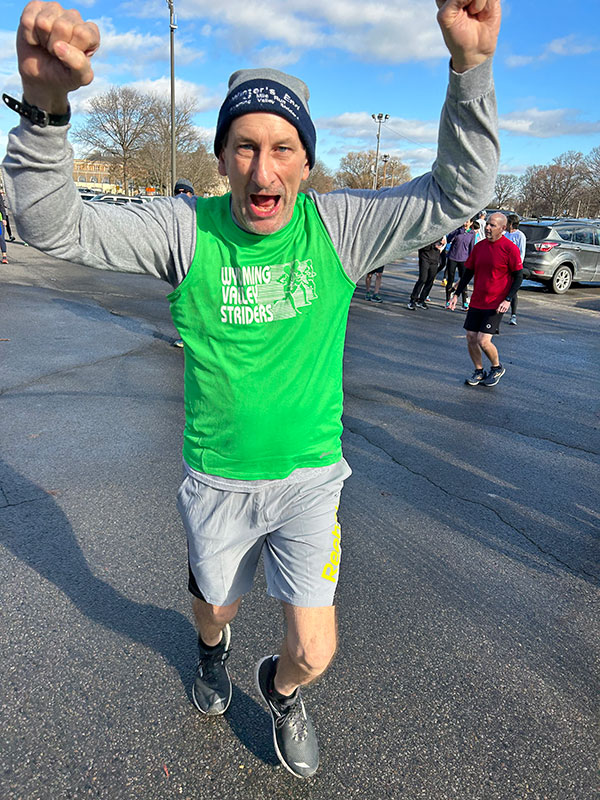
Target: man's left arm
(371, 228)
(516, 268)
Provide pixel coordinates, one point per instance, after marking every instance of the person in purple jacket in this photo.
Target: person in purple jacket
(462, 241)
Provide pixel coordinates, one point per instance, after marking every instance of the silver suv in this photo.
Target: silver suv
(560, 251)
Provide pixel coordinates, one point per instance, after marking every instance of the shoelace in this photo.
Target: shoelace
(209, 662)
(293, 716)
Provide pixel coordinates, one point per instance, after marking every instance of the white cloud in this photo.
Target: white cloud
(138, 48)
(547, 124)
(566, 46)
(361, 127)
(368, 29)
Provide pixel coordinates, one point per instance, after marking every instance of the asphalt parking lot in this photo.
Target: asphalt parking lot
(468, 656)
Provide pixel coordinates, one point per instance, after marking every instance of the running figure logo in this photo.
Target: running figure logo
(299, 288)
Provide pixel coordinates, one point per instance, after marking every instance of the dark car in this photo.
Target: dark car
(560, 251)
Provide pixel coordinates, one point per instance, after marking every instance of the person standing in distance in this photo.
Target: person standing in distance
(262, 279)
(182, 187)
(496, 269)
(518, 237)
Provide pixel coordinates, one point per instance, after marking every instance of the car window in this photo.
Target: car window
(534, 233)
(584, 236)
(597, 236)
(566, 234)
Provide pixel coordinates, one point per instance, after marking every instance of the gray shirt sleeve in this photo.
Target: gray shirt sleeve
(158, 237)
(370, 229)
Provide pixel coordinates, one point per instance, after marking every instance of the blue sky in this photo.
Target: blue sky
(358, 57)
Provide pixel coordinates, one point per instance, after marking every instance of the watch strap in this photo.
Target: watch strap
(35, 115)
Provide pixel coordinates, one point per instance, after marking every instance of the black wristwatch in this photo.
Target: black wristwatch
(35, 115)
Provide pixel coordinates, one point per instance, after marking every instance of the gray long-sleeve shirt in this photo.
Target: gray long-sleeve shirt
(368, 228)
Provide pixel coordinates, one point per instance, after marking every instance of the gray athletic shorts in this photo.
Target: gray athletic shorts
(293, 524)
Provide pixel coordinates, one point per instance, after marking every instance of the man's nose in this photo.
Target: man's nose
(262, 169)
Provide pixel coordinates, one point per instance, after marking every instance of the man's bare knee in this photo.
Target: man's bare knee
(313, 657)
(218, 616)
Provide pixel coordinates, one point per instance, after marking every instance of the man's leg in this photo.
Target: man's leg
(308, 648)
(212, 689)
(484, 340)
(378, 276)
(210, 620)
(496, 370)
(306, 652)
(475, 349)
(428, 280)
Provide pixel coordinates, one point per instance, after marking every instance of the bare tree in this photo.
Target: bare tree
(356, 171)
(507, 191)
(320, 178)
(153, 160)
(117, 126)
(553, 189)
(200, 166)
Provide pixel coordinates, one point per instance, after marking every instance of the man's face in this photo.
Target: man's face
(495, 227)
(265, 162)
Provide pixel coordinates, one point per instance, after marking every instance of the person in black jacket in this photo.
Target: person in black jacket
(429, 266)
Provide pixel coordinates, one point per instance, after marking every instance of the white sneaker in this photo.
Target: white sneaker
(513, 320)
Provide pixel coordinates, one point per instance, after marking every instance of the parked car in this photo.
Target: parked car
(561, 251)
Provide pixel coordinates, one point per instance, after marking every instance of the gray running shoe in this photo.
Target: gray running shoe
(294, 735)
(493, 376)
(377, 299)
(513, 320)
(411, 306)
(421, 304)
(476, 378)
(369, 296)
(212, 689)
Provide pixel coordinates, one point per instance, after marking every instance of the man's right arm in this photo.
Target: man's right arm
(54, 48)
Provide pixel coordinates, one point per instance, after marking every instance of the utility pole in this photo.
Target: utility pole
(172, 29)
(379, 119)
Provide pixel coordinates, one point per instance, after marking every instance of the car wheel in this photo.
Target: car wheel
(561, 280)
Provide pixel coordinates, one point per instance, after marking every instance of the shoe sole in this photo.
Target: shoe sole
(266, 702)
(470, 383)
(227, 633)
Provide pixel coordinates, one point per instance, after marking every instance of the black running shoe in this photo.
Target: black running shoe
(421, 304)
(211, 691)
(493, 376)
(476, 378)
(411, 306)
(294, 735)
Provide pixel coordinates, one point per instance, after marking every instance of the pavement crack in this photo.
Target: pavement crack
(8, 504)
(428, 411)
(74, 368)
(575, 571)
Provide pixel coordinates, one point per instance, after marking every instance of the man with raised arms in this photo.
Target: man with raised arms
(263, 389)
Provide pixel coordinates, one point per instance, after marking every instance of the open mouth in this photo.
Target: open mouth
(264, 205)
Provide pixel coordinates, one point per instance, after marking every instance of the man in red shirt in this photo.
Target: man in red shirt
(497, 272)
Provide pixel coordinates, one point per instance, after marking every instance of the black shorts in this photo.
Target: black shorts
(483, 320)
(374, 271)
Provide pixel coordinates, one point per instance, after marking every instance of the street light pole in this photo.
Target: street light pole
(172, 29)
(379, 119)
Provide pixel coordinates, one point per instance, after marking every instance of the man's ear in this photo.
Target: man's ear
(305, 171)
(222, 168)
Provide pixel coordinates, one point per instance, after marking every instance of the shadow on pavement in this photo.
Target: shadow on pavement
(36, 530)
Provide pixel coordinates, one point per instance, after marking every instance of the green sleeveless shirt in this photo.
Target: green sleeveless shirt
(263, 321)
